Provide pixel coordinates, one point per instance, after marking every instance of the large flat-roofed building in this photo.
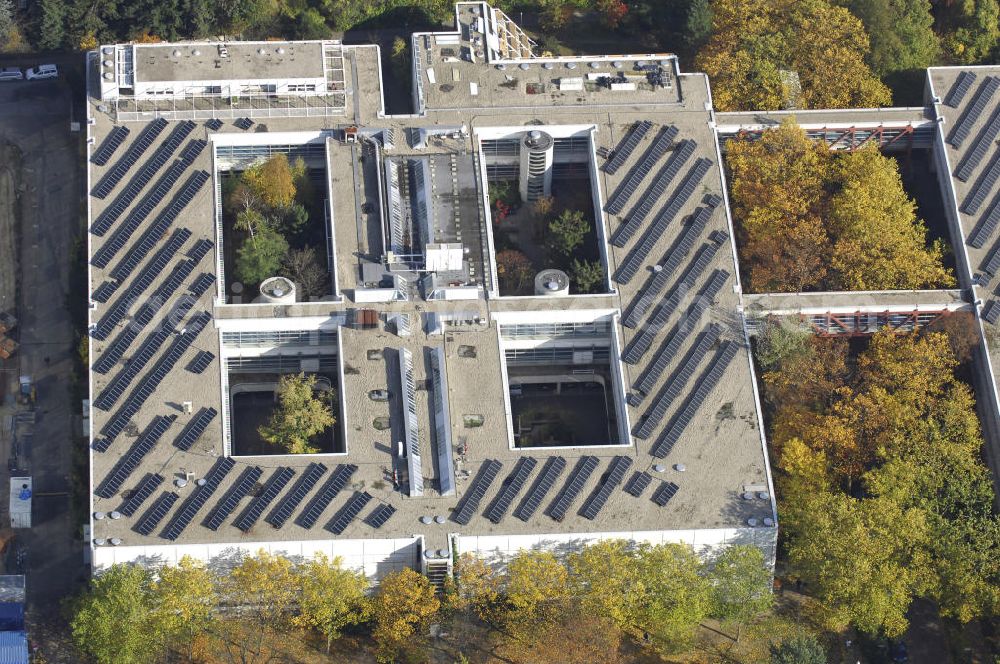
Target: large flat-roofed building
(481, 405)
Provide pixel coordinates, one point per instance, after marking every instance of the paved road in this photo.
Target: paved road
(36, 117)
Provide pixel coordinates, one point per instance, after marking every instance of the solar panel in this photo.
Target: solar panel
(676, 383)
(243, 123)
(987, 224)
(706, 383)
(155, 514)
(201, 494)
(985, 139)
(214, 124)
(980, 100)
(101, 444)
(143, 490)
(664, 493)
(334, 485)
(131, 459)
(984, 184)
(647, 296)
(130, 158)
(616, 473)
(200, 249)
(658, 187)
(242, 488)
(991, 312)
(625, 190)
(641, 343)
(574, 485)
(380, 515)
(626, 146)
(195, 428)
(202, 283)
(480, 485)
(677, 200)
(543, 484)
(114, 390)
(279, 478)
(637, 483)
(296, 495)
(200, 362)
(960, 89)
(114, 139)
(510, 488)
(338, 524)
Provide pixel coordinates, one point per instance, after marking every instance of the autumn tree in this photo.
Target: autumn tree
(758, 46)
(299, 416)
(402, 608)
(272, 181)
(970, 28)
(676, 596)
(185, 602)
(611, 12)
(113, 621)
(514, 271)
(741, 585)
(332, 597)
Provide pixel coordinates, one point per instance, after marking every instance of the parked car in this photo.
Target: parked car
(42, 72)
(11, 74)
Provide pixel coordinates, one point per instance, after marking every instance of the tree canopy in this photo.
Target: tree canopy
(814, 219)
(774, 54)
(901, 33)
(299, 416)
(261, 255)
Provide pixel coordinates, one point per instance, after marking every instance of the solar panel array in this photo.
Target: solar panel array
(977, 195)
(677, 339)
(280, 514)
(658, 187)
(641, 343)
(987, 224)
(143, 490)
(706, 383)
(242, 488)
(625, 190)
(978, 103)
(626, 146)
(637, 483)
(647, 296)
(200, 362)
(673, 388)
(243, 123)
(215, 124)
(201, 494)
(202, 283)
(131, 459)
(679, 197)
(107, 150)
(510, 488)
(338, 524)
(664, 493)
(991, 312)
(104, 255)
(153, 269)
(480, 485)
(155, 514)
(130, 158)
(195, 428)
(333, 485)
(142, 177)
(985, 139)
(279, 478)
(380, 515)
(960, 89)
(992, 263)
(574, 485)
(113, 391)
(616, 473)
(543, 484)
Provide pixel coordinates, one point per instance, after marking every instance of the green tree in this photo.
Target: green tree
(312, 25)
(51, 24)
(901, 33)
(402, 608)
(249, 221)
(535, 591)
(261, 257)
(676, 596)
(588, 276)
(113, 620)
(299, 416)
(779, 341)
(741, 584)
(567, 232)
(607, 578)
(332, 597)
(399, 57)
(798, 650)
(970, 28)
(185, 601)
(7, 24)
(759, 47)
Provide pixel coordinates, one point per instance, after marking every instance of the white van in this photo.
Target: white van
(11, 74)
(42, 71)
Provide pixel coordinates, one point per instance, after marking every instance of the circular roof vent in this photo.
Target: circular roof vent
(768, 521)
(100, 541)
(196, 52)
(115, 541)
(752, 522)
(595, 65)
(108, 76)
(547, 65)
(261, 51)
(280, 51)
(115, 515)
(570, 65)
(99, 516)
(176, 53)
(525, 66)
(439, 519)
(108, 50)
(425, 519)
